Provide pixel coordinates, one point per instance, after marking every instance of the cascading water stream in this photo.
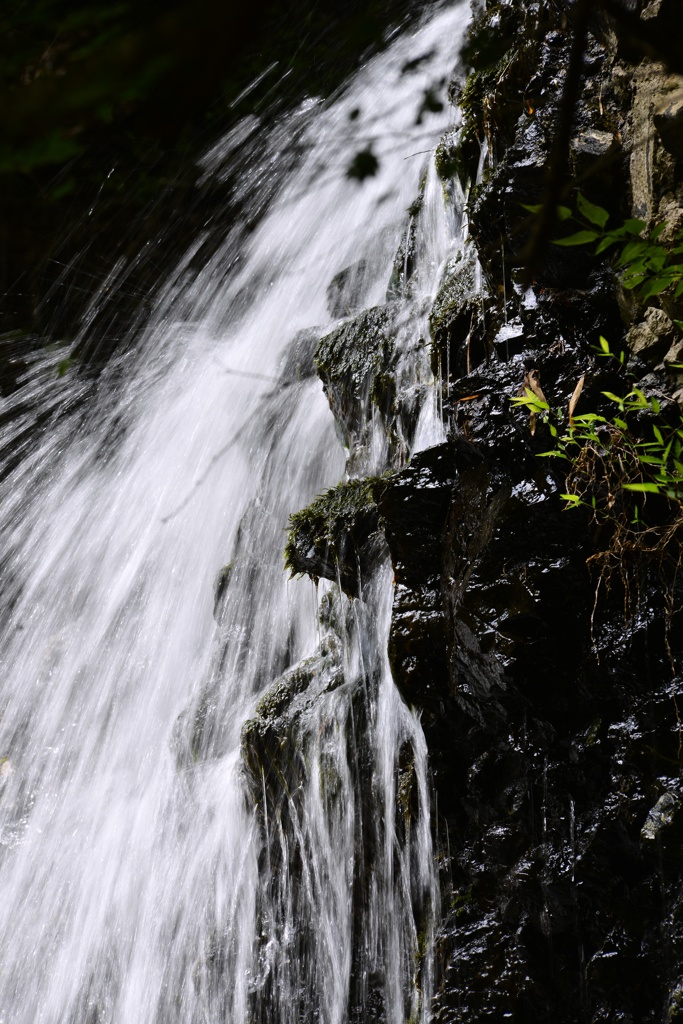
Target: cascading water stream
(137, 880)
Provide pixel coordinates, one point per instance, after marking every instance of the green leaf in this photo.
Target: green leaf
(634, 226)
(604, 243)
(632, 282)
(630, 251)
(643, 488)
(532, 207)
(563, 212)
(637, 397)
(656, 261)
(595, 214)
(604, 345)
(572, 499)
(614, 398)
(530, 401)
(636, 267)
(579, 238)
(656, 231)
(588, 417)
(655, 287)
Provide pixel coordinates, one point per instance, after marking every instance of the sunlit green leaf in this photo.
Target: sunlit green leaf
(643, 488)
(630, 251)
(595, 214)
(588, 417)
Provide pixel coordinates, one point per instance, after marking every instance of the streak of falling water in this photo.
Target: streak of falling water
(136, 874)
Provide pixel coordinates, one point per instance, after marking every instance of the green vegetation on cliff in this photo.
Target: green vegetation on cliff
(333, 537)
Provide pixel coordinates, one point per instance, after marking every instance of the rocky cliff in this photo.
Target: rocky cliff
(543, 654)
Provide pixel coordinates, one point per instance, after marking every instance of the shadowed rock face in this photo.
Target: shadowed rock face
(553, 745)
(354, 363)
(550, 693)
(549, 699)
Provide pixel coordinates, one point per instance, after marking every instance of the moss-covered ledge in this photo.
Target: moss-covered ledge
(337, 537)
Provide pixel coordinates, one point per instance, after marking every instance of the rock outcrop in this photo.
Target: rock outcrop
(547, 672)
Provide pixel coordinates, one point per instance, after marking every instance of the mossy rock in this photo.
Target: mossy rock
(297, 363)
(455, 316)
(220, 587)
(337, 537)
(450, 158)
(354, 363)
(270, 748)
(346, 290)
(493, 95)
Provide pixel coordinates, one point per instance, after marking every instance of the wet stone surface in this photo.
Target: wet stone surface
(550, 697)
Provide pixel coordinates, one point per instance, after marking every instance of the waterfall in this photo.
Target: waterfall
(143, 875)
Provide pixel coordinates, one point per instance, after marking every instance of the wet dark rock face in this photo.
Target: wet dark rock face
(337, 537)
(550, 700)
(354, 363)
(550, 750)
(550, 694)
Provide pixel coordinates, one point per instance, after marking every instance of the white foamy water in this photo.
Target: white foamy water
(134, 868)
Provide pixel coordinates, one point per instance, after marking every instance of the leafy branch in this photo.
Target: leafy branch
(646, 266)
(626, 463)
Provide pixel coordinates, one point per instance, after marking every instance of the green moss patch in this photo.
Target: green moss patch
(336, 537)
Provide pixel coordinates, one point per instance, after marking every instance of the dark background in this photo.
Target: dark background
(104, 111)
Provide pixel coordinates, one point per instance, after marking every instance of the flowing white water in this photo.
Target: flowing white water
(138, 881)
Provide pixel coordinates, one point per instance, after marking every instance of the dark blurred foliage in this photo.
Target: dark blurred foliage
(104, 110)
